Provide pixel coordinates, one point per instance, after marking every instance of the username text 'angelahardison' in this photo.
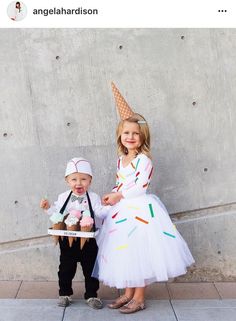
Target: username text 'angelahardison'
(63, 11)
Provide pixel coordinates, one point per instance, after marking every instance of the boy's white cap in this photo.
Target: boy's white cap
(78, 165)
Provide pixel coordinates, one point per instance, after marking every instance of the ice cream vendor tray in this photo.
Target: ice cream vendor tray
(73, 233)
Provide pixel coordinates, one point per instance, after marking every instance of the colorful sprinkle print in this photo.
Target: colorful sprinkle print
(132, 165)
(121, 176)
(121, 247)
(119, 163)
(132, 231)
(121, 221)
(113, 216)
(141, 220)
(151, 210)
(137, 164)
(145, 185)
(119, 186)
(171, 235)
(134, 208)
(150, 173)
(111, 231)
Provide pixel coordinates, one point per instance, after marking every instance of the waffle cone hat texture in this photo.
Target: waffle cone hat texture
(122, 106)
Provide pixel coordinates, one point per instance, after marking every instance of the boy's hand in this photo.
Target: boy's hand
(44, 204)
(112, 198)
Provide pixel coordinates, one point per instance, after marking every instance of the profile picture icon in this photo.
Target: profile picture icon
(17, 10)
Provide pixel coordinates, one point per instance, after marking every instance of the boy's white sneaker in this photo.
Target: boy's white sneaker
(95, 303)
(64, 301)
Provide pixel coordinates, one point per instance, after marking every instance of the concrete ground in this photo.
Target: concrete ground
(36, 301)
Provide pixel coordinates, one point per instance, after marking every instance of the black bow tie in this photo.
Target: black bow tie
(77, 198)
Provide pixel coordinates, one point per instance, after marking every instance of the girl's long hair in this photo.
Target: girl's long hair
(144, 148)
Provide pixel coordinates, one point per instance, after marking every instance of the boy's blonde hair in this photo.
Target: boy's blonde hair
(144, 135)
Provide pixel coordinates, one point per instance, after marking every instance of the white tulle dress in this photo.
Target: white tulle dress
(138, 243)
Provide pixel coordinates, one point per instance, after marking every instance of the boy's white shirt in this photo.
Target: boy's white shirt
(100, 211)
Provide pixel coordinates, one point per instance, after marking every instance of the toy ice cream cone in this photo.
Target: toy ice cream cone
(58, 226)
(72, 224)
(84, 239)
(122, 106)
(73, 227)
(86, 225)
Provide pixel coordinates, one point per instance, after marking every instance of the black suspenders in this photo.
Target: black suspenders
(66, 202)
(91, 212)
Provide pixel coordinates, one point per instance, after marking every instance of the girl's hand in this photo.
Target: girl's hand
(112, 198)
(105, 198)
(44, 204)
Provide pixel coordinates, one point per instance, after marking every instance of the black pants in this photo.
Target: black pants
(68, 265)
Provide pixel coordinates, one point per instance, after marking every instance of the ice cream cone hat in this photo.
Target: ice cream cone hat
(122, 106)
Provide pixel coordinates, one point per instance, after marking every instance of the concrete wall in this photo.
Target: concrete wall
(56, 103)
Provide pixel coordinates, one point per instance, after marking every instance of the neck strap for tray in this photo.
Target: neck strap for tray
(64, 205)
(91, 212)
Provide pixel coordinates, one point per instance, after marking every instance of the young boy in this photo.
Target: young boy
(78, 176)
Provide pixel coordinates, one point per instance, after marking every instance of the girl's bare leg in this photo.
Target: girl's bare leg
(123, 299)
(129, 293)
(136, 304)
(139, 294)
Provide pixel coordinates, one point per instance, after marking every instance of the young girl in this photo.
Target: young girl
(138, 243)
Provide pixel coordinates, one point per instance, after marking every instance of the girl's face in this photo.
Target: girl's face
(79, 183)
(130, 136)
(18, 5)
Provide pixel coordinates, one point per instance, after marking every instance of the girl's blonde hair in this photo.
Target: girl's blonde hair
(144, 148)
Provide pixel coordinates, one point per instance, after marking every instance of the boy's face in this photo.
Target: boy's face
(79, 182)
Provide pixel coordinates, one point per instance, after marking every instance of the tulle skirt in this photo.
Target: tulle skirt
(139, 244)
